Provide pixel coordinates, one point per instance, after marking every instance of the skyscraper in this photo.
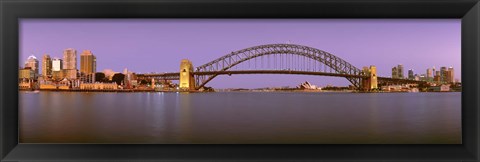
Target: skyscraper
(57, 64)
(437, 77)
(451, 75)
(400, 71)
(69, 58)
(32, 63)
(429, 74)
(443, 74)
(394, 73)
(46, 66)
(434, 72)
(88, 62)
(410, 74)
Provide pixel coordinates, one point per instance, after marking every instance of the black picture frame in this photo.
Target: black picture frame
(12, 10)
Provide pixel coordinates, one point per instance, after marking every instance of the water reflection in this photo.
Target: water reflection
(239, 117)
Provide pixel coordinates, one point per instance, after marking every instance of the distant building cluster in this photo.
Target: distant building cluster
(437, 80)
(65, 74)
(443, 76)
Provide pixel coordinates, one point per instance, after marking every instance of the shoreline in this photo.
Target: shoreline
(139, 91)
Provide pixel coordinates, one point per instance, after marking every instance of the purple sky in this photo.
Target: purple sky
(158, 45)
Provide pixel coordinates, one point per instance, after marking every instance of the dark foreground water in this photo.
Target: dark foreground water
(240, 117)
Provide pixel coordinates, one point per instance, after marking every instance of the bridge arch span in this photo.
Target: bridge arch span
(224, 63)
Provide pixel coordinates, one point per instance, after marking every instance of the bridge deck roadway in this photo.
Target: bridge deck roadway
(277, 72)
(176, 76)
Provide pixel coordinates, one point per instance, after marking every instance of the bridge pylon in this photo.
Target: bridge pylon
(370, 82)
(187, 80)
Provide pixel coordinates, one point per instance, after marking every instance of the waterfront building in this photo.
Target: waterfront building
(32, 63)
(88, 62)
(394, 88)
(65, 84)
(441, 88)
(443, 74)
(98, 86)
(47, 66)
(308, 86)
(48, 87)
(57, 64)
(26, 78)
(69, 58)
(109, 73)
(87, 78)
(26, 85)
(410, 74)
(26, 74)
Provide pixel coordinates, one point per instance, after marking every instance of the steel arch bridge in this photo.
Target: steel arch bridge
(279, 58)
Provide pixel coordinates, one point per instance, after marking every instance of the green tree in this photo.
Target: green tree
(118, 78)
(100, 77)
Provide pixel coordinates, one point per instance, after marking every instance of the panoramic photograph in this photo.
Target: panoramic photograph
(240, 81)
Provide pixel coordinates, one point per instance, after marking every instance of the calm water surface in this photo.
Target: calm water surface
(240, 117)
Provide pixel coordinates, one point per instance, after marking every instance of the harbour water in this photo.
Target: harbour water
(240, 118)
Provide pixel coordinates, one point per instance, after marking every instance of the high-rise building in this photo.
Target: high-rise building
(437, 77)
(46, 66)
(400, 71)
(88, 62)
(57, 64)
(394, 73)
(450, 75)
(32, 63)
(410, 74)
(429, 75)
(69, 58)
(70, 74)
(433, 71)
(443, 74)
(423, 77)
(88, 66)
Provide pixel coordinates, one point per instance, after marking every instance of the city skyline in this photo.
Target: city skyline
(440, 52)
